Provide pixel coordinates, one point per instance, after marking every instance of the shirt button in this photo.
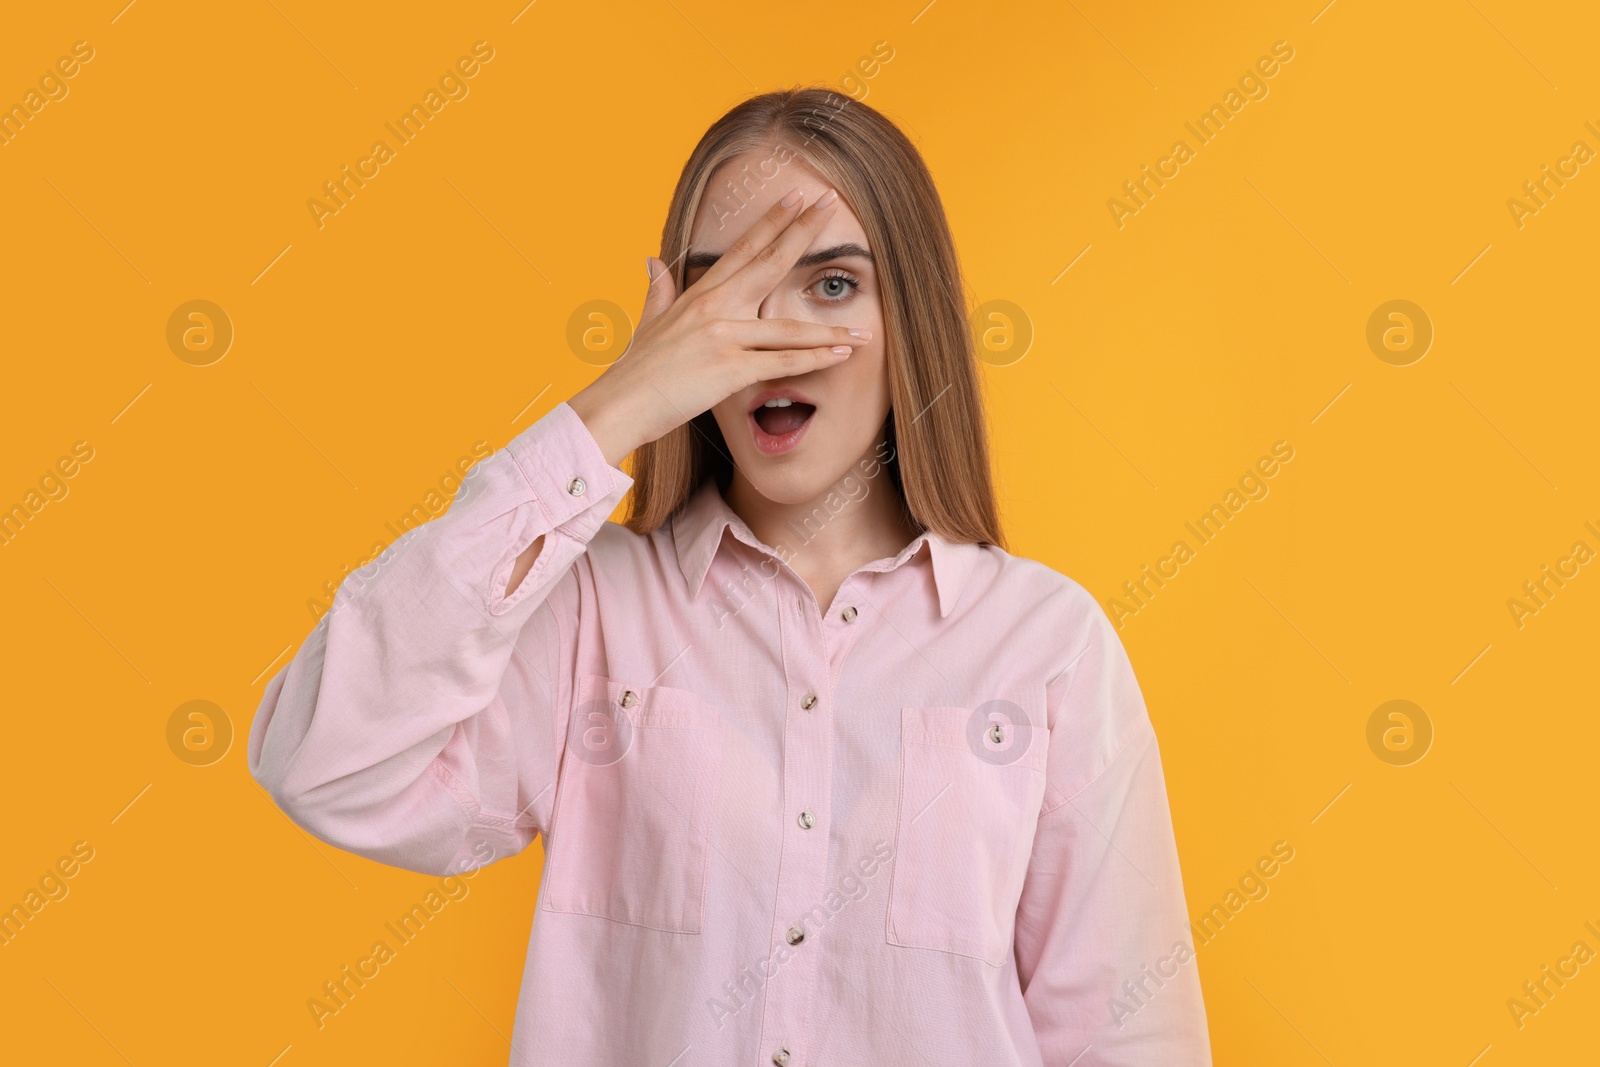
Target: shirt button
(809, 702)
(848, 614)
(629, 698)
(997, 734)
(795, 935)
(781, 1057)
(577, 486)
(807, 820)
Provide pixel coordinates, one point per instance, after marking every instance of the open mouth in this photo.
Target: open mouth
(778, 422)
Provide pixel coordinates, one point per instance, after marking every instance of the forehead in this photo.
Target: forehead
(742, 190)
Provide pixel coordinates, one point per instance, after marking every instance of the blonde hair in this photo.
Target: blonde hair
(936, 426)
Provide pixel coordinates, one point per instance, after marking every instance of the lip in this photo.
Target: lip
(777, 444)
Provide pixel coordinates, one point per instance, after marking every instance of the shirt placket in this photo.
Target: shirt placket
(794, 950)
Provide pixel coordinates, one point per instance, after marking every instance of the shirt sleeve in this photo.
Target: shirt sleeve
(1103, 947)
(421, 723)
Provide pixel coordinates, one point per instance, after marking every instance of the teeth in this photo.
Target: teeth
(781, 402)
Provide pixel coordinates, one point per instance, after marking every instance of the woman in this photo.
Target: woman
(825, 775)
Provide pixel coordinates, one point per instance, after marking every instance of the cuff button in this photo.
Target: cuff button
(577, 486)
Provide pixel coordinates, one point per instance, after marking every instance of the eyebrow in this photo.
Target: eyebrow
(810, 259)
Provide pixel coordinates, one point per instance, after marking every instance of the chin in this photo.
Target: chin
(792, 482)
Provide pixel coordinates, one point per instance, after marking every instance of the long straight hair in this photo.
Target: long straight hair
(935, 428)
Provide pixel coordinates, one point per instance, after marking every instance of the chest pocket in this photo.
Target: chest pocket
(970, 788)
(631, 831)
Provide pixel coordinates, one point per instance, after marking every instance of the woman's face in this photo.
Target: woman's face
(794, 452)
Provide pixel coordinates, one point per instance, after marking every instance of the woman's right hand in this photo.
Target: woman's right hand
(690, 353)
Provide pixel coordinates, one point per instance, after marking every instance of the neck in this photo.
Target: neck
(853, 522)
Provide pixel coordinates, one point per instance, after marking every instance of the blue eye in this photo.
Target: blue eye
(834, 288)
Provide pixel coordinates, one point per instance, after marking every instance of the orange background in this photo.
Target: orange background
(1229, 313)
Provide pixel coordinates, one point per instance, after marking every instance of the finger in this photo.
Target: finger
(793, 333)
(663, 290)
(753, 240)
(762, 272)
(765, 366)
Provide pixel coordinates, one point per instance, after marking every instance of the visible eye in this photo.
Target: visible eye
(836, 286)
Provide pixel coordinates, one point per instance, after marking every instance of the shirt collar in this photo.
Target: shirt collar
(697, 532)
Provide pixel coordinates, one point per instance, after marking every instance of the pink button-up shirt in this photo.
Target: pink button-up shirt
(923, 824)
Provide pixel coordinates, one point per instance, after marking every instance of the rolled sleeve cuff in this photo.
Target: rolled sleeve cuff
(574, 486)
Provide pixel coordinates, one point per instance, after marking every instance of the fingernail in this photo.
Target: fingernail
(826, 198)
(650, 267)
(865, 335)
(790, 199)
(842, 350)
